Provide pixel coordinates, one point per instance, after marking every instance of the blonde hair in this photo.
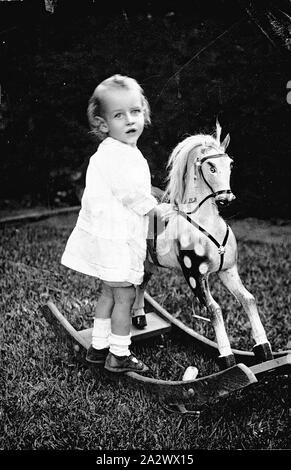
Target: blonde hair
(95, 106)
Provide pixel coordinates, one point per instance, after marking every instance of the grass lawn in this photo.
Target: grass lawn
(51, 399)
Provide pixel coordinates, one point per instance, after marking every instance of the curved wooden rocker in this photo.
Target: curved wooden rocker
(204, 344)
(198, 391)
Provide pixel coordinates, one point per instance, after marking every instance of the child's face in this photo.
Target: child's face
(123, 115)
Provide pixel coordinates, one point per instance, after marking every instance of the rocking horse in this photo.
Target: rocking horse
(197, 240)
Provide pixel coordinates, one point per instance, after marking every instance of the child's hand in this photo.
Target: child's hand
(166, 211)
(158, 217)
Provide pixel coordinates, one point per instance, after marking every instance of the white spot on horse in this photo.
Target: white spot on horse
(203, 268)
(185, 239)
(187, 262)
(199, 249)
(192, 282)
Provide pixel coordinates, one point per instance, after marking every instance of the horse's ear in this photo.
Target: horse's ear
(226, 141)
(218, 131)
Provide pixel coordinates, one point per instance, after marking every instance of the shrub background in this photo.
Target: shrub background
(52, 62)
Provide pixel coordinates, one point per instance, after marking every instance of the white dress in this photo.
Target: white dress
(109, 239)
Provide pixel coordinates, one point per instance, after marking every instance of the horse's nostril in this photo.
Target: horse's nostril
(223, 203)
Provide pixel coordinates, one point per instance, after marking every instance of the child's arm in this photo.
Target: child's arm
(129, 184)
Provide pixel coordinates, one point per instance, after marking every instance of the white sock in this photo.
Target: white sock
(100, 333)
(119, 344)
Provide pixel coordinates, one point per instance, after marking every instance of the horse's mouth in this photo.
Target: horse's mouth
(225, 201)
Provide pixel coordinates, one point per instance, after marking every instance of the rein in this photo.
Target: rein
(223, 191)
(221, 247)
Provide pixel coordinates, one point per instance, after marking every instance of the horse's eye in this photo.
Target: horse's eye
(212, 169)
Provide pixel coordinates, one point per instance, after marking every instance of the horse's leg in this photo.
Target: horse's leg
(232, 281)
(138, 313)
(190, 264)
(226, 358)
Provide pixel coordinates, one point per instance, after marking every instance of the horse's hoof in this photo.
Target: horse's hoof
(139, 321)
(263, 352)
(225, 362)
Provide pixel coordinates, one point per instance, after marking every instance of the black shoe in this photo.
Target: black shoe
(124, 364)
(96, 356)
(139, 321)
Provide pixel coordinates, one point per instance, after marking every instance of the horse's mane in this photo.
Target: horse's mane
(178, 160)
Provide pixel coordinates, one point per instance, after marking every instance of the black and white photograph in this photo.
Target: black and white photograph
(145, 231)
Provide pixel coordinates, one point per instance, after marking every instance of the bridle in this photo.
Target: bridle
(213, 193)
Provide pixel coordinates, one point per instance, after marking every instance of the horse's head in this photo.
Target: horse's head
(199, 164)
(214, 166)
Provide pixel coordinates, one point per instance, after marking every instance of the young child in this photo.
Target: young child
(109, 240)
